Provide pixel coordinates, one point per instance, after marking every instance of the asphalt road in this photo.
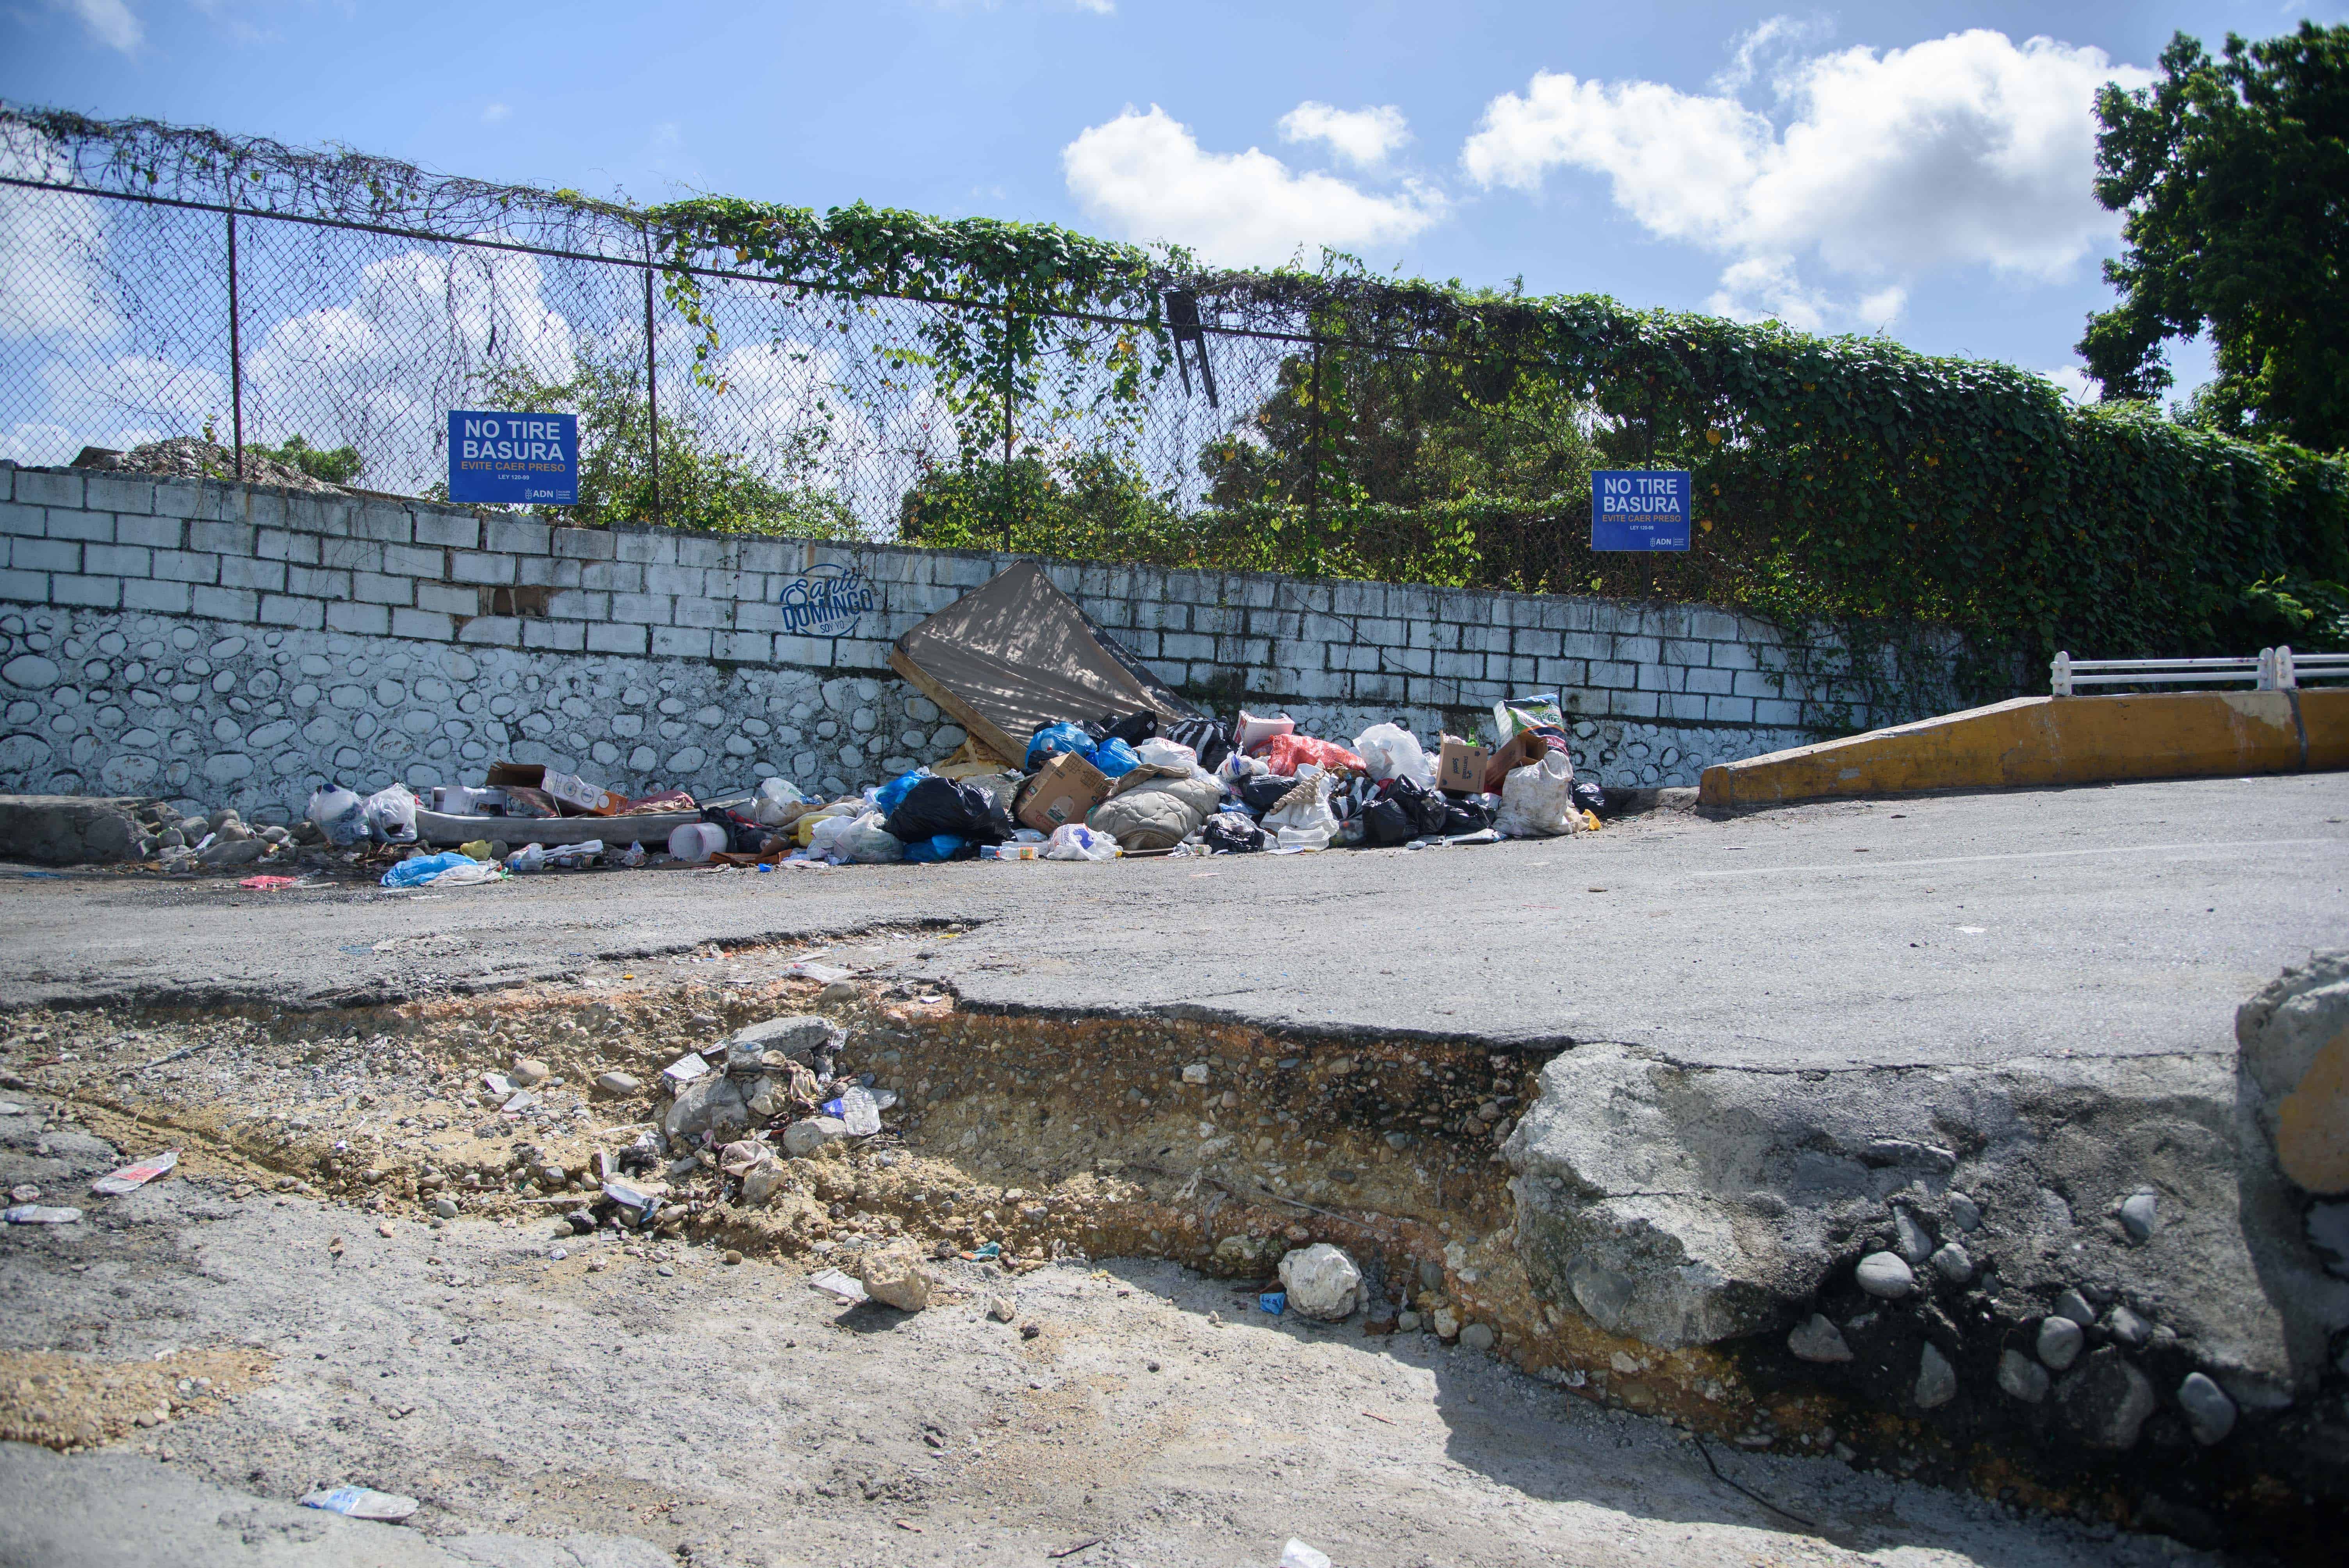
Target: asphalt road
(2117, 920)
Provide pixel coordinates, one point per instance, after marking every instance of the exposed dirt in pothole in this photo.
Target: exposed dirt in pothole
(1215, 1146)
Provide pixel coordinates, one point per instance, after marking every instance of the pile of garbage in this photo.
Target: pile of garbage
(1122, 785)
(1021, 667)
(1128, 785)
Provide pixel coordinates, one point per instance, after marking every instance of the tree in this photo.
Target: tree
(2234, 173)
(338, 466)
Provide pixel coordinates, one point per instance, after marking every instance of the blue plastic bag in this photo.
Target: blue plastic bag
(1053, 738)
(885, 798)
(1115, 756)
(937, 848)
(422, 869)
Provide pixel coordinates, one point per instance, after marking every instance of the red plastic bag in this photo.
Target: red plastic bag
(1285, 754)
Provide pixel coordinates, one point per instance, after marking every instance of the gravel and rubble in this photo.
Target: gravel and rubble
(627, 1400)
(540, 1127)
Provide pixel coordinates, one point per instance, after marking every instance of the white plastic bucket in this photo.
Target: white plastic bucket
(697, 841)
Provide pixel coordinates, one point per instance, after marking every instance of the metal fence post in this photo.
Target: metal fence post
(235, 350)
(1010, 494)
(652, 387)
(1313, 465)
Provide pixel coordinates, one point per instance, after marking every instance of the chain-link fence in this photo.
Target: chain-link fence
(1215, 429)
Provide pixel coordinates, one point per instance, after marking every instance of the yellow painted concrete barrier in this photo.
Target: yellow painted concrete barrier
(2056, 740)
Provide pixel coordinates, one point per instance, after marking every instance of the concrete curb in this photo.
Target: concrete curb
(2042, 740)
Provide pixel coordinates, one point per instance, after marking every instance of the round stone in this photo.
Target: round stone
(29, 671)
(1885, 1276)
(2059, 1341)
(446, 1207)
(1818, 1340)
(1477, 1336)
(2209, 1414)
(2022, 1377)
(1937, 1380)
(1953, 1263)
(2139, 1212)
(2106, 1400)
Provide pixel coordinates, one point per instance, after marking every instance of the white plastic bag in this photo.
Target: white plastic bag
(391, 814)
(868, 843)
(823, 841)
(1160, 752)
(1303, 815)
(777, 800)
(1075, 841)
(1537, 800)
(339, 814)
(1390, 751)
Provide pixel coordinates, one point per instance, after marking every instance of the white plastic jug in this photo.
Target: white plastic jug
(697, 841)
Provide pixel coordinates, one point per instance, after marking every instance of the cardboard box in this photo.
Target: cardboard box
(1063, 790)
(1460, 767)
(567, 789)
(1525, 745)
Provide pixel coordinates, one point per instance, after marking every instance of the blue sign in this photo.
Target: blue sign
(826, 603)
(513, 459)
(1640, 508)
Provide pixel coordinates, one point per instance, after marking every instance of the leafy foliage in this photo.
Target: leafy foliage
(2234, 173)
(338, 466)
(701, 485)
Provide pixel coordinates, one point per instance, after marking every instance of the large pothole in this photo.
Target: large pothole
(1221, 1147)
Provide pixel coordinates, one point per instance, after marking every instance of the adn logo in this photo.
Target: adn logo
(827, 602)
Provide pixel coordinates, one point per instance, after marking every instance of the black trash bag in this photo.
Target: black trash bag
(1421, 806)
(1587, 796)
(1260, 792)
(1133, 728)
(1464, 814)
(937, 806)
(1388, 823)
(1211, 740)
(1353, 795)
(743, 836)
(1229, 833)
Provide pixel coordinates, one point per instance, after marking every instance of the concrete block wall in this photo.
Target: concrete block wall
(538, 634)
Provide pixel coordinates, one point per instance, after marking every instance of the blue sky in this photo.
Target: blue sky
(1917, 169)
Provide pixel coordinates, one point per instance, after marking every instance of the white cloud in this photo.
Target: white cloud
(1965, 150)
(108, 23)
(118, 403)
(1362, 137)
(381, 371)
(493, 113)
(2074, 383)
(1146, 176)
(53, 251)
(1767, 288)
(1769, 39)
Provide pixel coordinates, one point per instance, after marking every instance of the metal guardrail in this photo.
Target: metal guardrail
(2274, 669)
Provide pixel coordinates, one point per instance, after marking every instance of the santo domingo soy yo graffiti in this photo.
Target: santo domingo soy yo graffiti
(826, 601)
